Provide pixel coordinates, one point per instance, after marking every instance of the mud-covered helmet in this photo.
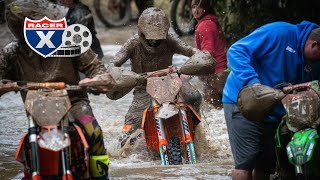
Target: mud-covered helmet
(33, 9)
(153, 24)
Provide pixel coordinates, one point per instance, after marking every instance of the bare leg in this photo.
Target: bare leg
(260, 175)
(238, 174)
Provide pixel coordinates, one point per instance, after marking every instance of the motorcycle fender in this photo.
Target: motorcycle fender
(166, 111)
(301, 148)
(195, 118)
(144, 118)
(43, 106)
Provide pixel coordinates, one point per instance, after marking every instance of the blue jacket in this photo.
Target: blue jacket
(270, 55)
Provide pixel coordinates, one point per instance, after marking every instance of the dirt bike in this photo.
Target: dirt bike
(54, 147)
(181, 16)
(115, 13)
(298, 143)
(169, 124)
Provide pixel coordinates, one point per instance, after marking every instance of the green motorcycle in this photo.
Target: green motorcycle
(297, 148)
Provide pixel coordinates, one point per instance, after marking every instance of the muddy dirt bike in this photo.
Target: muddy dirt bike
(115, 13)
(54, 147)
(169, 123)
(298, 143)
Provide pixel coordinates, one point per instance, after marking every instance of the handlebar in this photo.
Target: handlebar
(7, 85)
(162, 72)
(301, 87)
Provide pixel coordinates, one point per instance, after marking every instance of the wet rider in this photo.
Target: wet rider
(149, 50)
(20, 63)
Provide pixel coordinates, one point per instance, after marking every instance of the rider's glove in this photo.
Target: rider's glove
(256, 101)
(201, 63)
(6, 86)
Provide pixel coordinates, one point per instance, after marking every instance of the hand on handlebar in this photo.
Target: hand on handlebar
(102, 83)
(7, 85)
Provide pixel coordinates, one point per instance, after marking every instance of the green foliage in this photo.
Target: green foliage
(240, 17)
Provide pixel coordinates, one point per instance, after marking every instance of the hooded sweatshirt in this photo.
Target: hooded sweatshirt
(209, 36)
(272, 54)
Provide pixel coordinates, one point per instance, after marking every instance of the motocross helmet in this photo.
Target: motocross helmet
(154, 25)
(17, 11)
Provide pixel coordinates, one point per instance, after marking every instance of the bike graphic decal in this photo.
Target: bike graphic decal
(162, 142)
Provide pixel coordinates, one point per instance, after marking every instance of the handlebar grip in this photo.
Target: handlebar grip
(162, 72)
(297, 87)
(48, 85)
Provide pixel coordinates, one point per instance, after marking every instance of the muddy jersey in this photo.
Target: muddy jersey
(19, 63)
(145, 58)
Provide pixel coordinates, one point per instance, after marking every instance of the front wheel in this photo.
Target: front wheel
(175, 151)
(181, 16)
(113, 14)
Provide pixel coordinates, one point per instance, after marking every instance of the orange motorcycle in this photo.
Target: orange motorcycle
(169, 124)
(54, 147)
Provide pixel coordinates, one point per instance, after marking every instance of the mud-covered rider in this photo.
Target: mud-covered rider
(150, 50)
(19, 63)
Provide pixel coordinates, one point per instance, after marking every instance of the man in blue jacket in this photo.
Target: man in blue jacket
(273, 54)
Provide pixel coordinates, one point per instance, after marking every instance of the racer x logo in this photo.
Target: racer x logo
(45, 39)
(44, 36)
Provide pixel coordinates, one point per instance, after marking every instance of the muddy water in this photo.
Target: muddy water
(212, 147)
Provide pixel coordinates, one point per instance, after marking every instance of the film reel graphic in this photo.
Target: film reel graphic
(76, 40)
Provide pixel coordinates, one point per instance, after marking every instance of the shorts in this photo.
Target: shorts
(252, 143)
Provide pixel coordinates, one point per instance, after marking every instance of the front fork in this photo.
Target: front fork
(163, 142)
(65, 153)
(187, 139)
(35, 166)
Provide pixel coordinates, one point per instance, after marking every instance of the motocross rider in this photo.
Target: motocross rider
(19, 63)
(80, 14)
(150, 50)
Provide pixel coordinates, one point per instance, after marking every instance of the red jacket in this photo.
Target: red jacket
(209, 36)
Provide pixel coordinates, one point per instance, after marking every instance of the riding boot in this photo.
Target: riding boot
(128, 134)
(99, 167)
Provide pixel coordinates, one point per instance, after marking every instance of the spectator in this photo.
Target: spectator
(209, 37)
